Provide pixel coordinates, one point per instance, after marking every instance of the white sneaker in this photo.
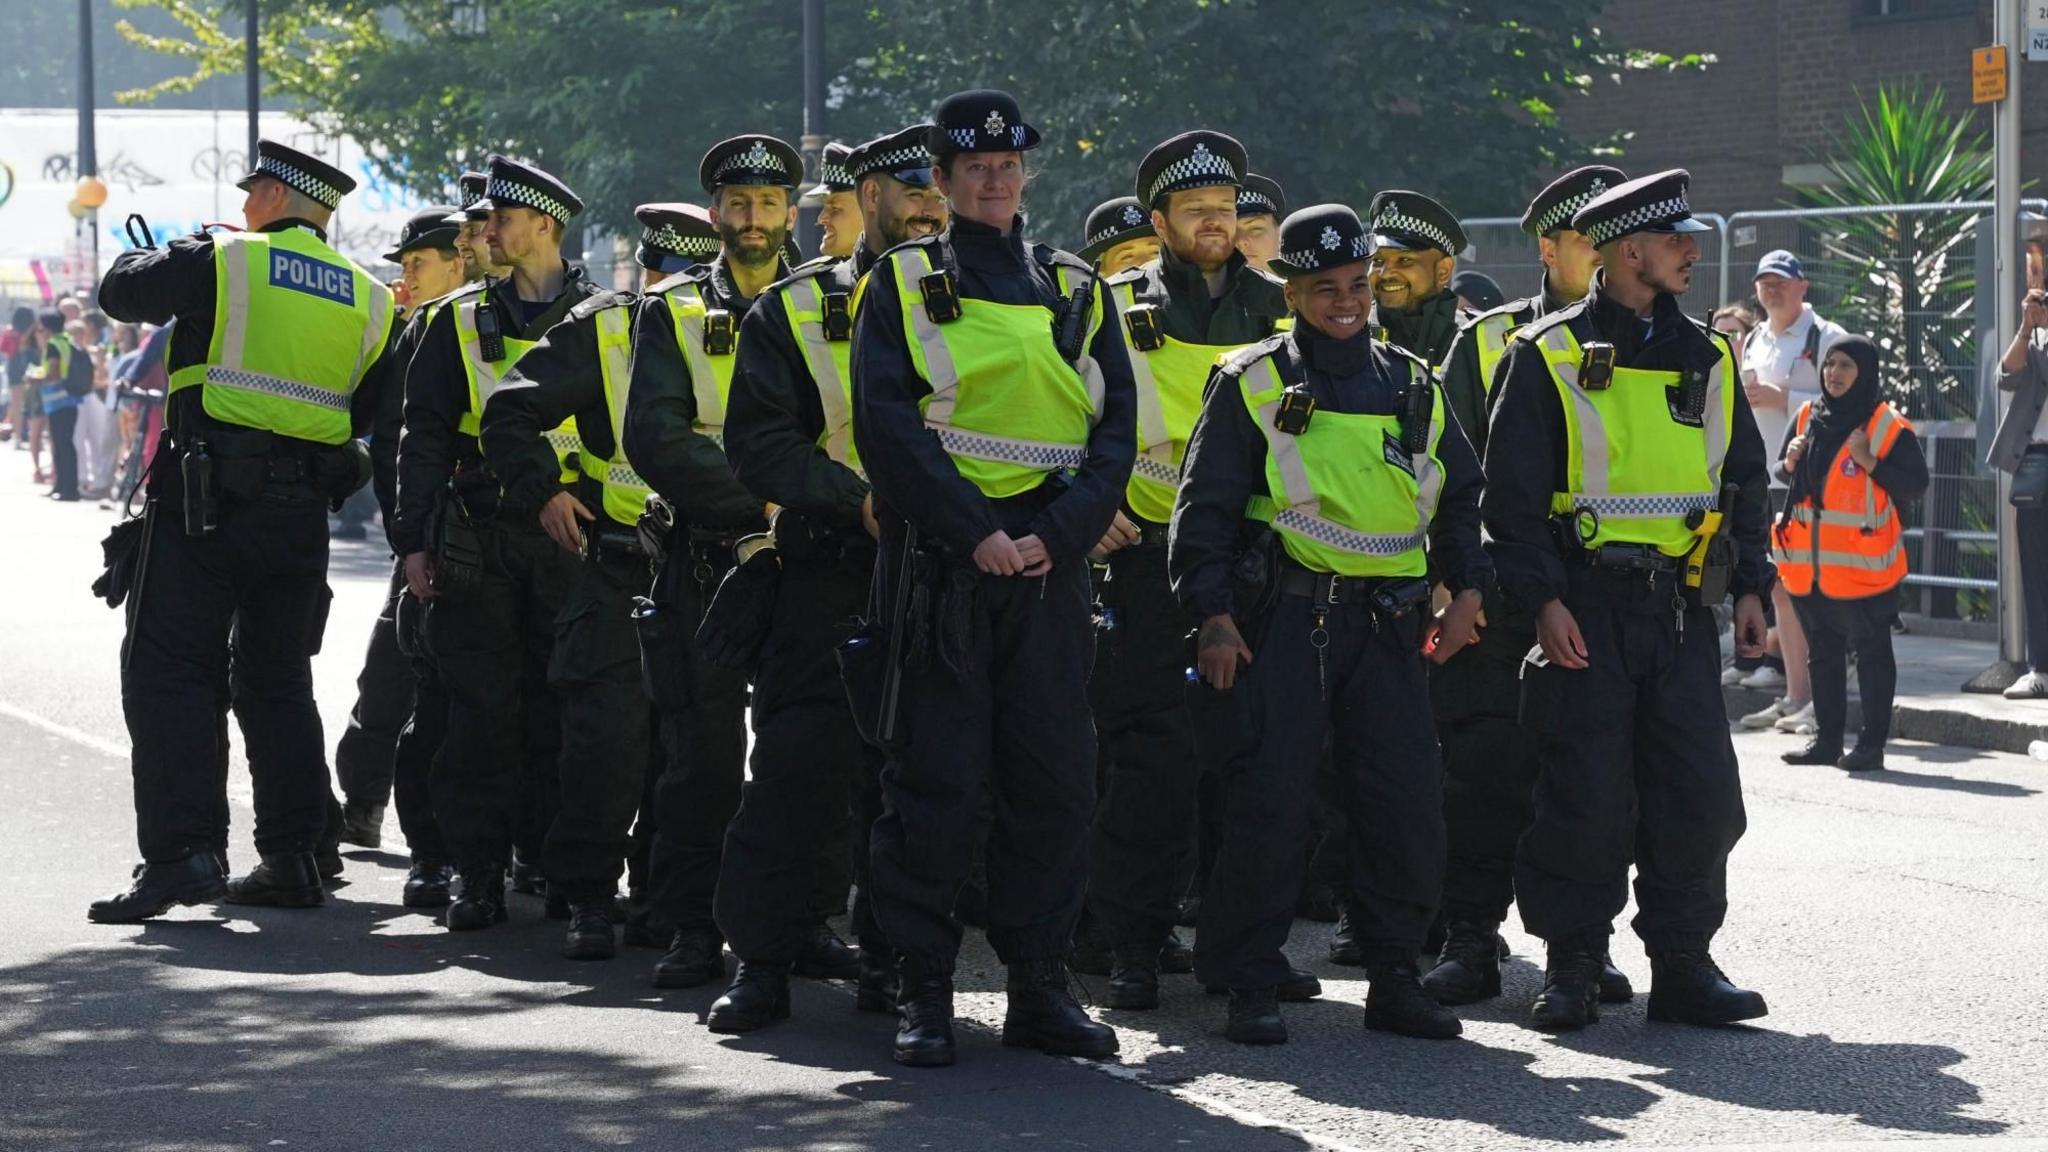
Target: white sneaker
(1799, 722)
(2032, 686)
(1765, 679)
(1767, 715)
(1731, 676)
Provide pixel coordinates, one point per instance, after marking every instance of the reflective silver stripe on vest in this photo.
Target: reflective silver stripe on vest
(703, 381)
(1891, 556)
(276, 386)
(234, 332)
(1648, 506)
(1593, 432)
(380, 316)
(938, 359)
(615, 358)
(1715, 422)
(810, 336)
(1155, 441)
(1803, 514)
(472, 351)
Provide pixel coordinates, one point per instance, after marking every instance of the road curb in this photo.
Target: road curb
(1958, 725)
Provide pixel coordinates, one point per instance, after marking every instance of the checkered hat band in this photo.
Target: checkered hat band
(833, 174)
(1253, 203)
(1561, 213)
(1638, 218)
(669, 239)
(506, 192)
(1200, 166)
(968, 138)
(1413, 226)
(1327, 253)
(895, 160)
(300, 181)
(1110, 233)
(757, 159)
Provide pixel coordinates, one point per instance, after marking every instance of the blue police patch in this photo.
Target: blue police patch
(302, 273)
(1396, 453)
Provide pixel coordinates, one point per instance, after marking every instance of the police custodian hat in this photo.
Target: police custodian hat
(428, 228)
(754, 160)
(1112, 223)
(1199, 159)
(1404, 219)
(981, 120)
(309, 176)
(901, 154)
(1319, 238)
(1260, 196)
(1655, 203)
(514, 184)
(1553, 208)
(674, 236)
(472, 184)
(832, 173)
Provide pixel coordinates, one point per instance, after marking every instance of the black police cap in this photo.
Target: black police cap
(427, 228)
(1404, 219)
(309, 176)
(981, 120)
(833, 175)
(1113, 222)
(1260, 196)
(1477, 288)
(755, 160)
(1319, 238)
(517, 184)
(1198, 159)
(1553, 208)
(1655, 203)
(472, 184)
(674, 236)
(901, 154)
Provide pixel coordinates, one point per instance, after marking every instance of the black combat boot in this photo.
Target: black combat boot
(1134, 980)
(194, 879)
(284, 880)
(1044, 1015)
(695, 957)
(482, 903)
(1468, 971)
(1175, 957)
(1571, 988)
(362, 824)
(1614, 984)
(426, 883)
(924, 1033)
(876, 990)
(1344, 946)
(825, 956)
(1300, 987)
(1395, 1002)
(1687, 987)
(759, 996)
(1255, 1017)
(590, 931)
(526, 878)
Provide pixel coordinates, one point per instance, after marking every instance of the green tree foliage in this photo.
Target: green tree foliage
(1333, 97)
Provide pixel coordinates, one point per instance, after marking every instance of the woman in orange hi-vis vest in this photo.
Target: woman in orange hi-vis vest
(1849, 458)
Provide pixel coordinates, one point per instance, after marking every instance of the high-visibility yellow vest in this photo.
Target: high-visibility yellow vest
(54, 391)
(1859, 549)
(1336, 494)
(1004, 405)
(1633, 472)
(710, 375)
(625, 493)
(1170, 379)
(1490, 333)
(295, 327)
(485, 377)
(804, 301)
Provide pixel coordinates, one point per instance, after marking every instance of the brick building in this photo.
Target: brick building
(1757, 122)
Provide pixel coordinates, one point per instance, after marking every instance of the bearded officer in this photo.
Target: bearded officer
(1261, 205)
(1631, 444)
(1416, 242)
(1120, 236)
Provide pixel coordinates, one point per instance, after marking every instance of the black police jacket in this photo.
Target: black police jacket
(1252, 301)
(1526, 451)
(1428, 330)
(1226, 466)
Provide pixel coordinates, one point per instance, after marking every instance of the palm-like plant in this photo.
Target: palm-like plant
(1908, 279)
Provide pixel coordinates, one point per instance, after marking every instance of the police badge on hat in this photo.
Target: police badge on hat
(982, 120)
(753, 159)
(1199, 159)
(1113, 222)
(1403, 219)
(1319, 238)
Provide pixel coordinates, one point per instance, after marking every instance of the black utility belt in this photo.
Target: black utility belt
(1630, 558)
(617, 544)
(1389, 595)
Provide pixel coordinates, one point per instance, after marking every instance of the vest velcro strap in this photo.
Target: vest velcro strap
(1645, 506)
(1029, 453)
(276, 386)
(1344, 539)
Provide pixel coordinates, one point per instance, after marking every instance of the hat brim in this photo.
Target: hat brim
(1287, 270)
(1405, 243)
(438, 238)
(1689, 224)
(1091, 252)
(662, 260)
(915, 177)
(1192, 185)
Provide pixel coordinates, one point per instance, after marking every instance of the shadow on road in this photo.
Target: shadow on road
(1899, 779)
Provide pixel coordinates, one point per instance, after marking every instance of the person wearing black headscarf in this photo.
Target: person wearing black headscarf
(1850, 454)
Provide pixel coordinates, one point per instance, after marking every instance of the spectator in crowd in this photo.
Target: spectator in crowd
(17, 352)
(1736, 321)
(1848, 461)
(1780, 371)
(98, 436)
(2021, 448)
(141, 383)
(62, 375)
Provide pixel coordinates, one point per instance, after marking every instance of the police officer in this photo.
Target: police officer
(580, 371)
(63, 377)
(1631, 447)
(993, 410)
(477, 262)
(489, 622)
(264, 398)
(838, 208)
(1196, 301)
(1416, 242)
(1261, 205)
(789, 436)
(1321, 482)
(683, 362)
(1120, 236)
(1489, 762)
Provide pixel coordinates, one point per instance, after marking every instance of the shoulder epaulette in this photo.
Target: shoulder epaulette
(1051, 257)
(593, 304)
(816, 268)
(1405, 354)
(1234, 362)
(694, 274)
(1518, 312)
(1537, 327)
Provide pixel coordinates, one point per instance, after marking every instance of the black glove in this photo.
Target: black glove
(801, 537)
(736, 623)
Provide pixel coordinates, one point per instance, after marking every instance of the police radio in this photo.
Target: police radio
(490, 341)
(1296, 406)
(941, 299)
(718, 332)
(1421, 405)
(1143, 322)
(838, 318)
(1596, 365)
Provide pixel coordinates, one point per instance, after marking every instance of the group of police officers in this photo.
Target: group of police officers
(1018, 557)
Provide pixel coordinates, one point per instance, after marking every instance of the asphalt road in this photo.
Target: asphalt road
(1896, 922)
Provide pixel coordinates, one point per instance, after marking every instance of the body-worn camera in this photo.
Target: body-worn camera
(1297, 404)
(718, 332)
(941, 298)
(1143, 322)
(838, 318)
(1596, 365)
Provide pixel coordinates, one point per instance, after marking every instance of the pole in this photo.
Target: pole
(253, 71)
(813, 142)
(88, 143)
